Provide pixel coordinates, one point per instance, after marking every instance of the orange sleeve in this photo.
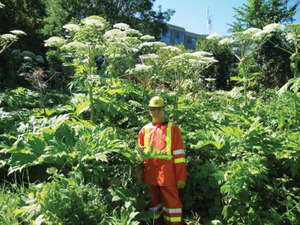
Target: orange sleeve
(141, 137)
(178, 153)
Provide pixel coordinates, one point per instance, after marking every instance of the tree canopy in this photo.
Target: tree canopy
(259, 13)
(136, 13)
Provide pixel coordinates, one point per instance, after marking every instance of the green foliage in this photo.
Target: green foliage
(221, 71)
(259, 13)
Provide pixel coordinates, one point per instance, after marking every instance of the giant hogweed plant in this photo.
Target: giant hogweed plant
(171, 67)
(83, 44)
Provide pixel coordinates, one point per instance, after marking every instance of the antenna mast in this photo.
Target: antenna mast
(208, 20)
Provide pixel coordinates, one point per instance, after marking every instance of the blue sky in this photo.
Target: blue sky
(191, 14)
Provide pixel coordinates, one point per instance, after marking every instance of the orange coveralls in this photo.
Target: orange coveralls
(162, 174)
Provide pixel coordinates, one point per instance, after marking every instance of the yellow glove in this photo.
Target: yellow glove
(180, 184)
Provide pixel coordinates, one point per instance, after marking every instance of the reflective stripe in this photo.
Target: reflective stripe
(178, 152)
(172, 219)
(178, 210)
(157, 207)
(179, 160)
(146, 138)
(169, 138)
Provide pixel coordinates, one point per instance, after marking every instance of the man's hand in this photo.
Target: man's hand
(180, 184)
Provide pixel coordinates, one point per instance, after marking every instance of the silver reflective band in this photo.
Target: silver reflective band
(178, 210)
(157, 207)
(178, 152)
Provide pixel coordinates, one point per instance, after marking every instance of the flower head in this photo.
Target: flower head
(133, 32)
(147, 38)
(251, 31)
(172, 49)
(149, 56)
(121, 26)
(273, 27)
(226, 41)
(54, 42)
(18, 32)
(9, 37)
(213, 37)
(71, 27)
(261, 34)
(93, 22)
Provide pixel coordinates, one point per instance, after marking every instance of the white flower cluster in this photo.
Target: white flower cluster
(226, 41)
(18, 32)
(214, 37)
(121, 26)
(149, 56)
(172, 49)
(139, 68)
(93, 22)
(1, 5)
(133, 32)
(71, 27)
(54, 42)
(114, 34)
(153, 44)
(273, 27)
(251, 31)
(9, 37)
(75, 45)
(267, 30)
(292, 37)
(147, 38)
(193, 55)
(116, 55)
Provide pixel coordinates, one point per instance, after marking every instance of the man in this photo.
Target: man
(165, 176)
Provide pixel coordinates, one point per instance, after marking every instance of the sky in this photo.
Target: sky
(191, 14)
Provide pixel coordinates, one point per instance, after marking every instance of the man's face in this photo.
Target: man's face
(157, 112)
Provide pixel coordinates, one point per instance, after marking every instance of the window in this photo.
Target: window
(191, 41)
(179, 38)
(166, 37)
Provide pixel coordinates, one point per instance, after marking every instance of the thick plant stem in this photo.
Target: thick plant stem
(93, 117)
(42, 99)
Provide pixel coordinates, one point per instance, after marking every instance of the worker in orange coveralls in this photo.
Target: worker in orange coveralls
(165, 176)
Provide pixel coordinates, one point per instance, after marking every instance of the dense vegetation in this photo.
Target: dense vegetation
(68, 153)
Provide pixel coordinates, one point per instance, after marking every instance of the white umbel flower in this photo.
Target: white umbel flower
(9, 37)
(18, 32)
(149, 56)
(213, 37)
(54, 42)
(251, 31)
(142, 67)
(274, 27)
(71, 27)
(153, 44)
(172, 49)
(147, 38)
(93, 22)
(121, 26)
(114, 33)
(226, 41)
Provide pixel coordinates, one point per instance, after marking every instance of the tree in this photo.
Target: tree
(136, 13)
(259, 13)
(26, 16)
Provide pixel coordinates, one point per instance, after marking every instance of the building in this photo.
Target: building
(178, 35)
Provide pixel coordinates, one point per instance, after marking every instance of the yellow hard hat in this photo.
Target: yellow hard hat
(156, 102)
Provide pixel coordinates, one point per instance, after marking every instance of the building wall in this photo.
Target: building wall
(178, 35)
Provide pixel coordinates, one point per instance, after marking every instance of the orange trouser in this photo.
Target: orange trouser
(165, 199)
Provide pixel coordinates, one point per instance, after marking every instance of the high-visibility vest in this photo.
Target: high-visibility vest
(169, 139)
